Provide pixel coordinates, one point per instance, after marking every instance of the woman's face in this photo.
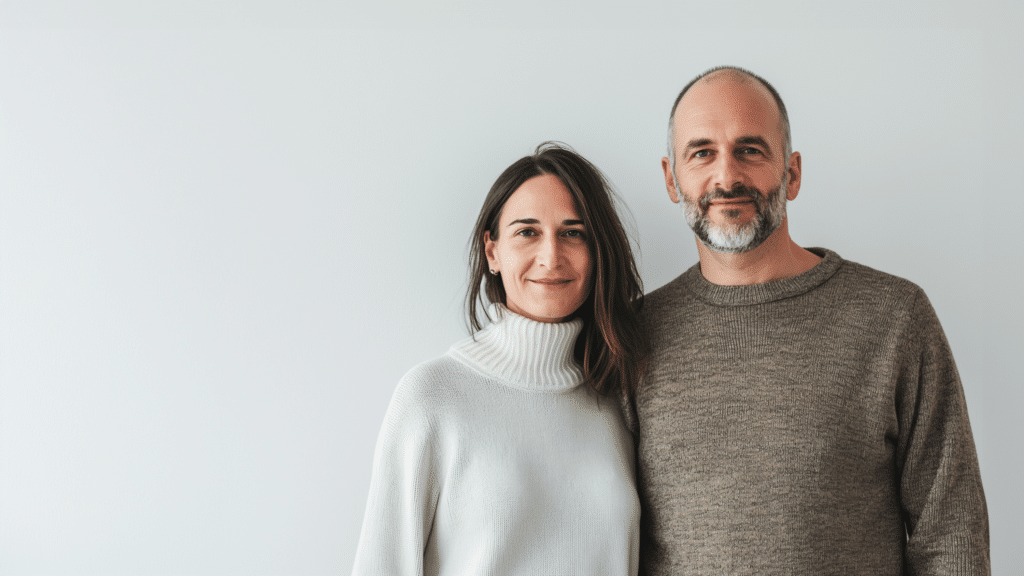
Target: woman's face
(541, 252)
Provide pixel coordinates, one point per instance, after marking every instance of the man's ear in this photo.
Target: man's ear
(489, 246)
(670, 180)
(795, 170)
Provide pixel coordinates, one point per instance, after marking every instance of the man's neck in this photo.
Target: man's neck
(776, 258)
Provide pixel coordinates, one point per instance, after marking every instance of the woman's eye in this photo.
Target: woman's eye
(526, 232)
(574, 233)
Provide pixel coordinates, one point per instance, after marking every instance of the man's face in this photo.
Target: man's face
(730, 171)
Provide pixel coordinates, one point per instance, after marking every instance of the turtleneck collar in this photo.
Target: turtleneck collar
(524, 353)
(767, 292)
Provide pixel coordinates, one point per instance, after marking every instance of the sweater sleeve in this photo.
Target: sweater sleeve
(403, 489)
(940, 482)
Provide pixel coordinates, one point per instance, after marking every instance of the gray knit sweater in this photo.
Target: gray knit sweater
(810, 425)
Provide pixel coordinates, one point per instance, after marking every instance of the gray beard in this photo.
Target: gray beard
(733, 238)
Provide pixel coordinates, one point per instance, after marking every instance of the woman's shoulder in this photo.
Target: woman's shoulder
(435, 382)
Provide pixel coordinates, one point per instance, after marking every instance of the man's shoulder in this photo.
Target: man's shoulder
(865, 283)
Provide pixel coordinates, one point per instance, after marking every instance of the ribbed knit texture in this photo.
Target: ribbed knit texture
(792, 427)
(494, 459)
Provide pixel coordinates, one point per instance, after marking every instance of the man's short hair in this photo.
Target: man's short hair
(787, 140)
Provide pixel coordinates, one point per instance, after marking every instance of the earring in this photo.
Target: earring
(493, 273)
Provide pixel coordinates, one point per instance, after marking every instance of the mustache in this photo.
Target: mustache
(738, 191)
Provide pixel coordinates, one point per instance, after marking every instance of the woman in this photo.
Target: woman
(501, 457)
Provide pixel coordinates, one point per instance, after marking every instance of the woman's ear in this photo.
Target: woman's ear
(489, 251)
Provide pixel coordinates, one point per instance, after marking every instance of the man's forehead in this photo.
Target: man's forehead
(731, 86)
(727, 97)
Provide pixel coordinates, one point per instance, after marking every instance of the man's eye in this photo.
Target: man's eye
(749, 151)
(701, 153)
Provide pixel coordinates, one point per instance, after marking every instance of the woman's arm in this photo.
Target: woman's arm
(403, 489)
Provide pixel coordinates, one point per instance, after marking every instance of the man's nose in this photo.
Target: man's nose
(727, 172)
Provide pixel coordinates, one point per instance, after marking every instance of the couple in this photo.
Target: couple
(773, 410)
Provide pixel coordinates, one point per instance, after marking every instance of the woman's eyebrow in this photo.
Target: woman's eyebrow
(524, 221)
(535, 221)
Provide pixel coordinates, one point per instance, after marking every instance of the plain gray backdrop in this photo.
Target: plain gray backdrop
(227, 229)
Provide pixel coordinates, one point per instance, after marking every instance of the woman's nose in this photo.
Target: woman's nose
(550, 252)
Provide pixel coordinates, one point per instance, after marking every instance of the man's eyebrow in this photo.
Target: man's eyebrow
(754, 140)
(697, 143)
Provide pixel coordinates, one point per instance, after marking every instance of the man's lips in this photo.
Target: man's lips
(732, 201)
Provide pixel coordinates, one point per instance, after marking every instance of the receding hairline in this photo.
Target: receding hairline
(728, 73)
(734, 73)
(742, 76)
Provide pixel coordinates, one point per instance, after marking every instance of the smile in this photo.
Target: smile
(551, 281)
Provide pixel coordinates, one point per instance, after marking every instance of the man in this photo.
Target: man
(802, 413)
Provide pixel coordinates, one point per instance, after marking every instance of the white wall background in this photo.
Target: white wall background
(226, 230)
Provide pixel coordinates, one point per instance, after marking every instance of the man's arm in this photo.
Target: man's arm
(940, 482)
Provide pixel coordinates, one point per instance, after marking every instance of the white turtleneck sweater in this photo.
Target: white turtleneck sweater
(494, 460)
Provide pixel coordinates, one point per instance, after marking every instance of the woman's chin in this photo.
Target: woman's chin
(547, 311)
